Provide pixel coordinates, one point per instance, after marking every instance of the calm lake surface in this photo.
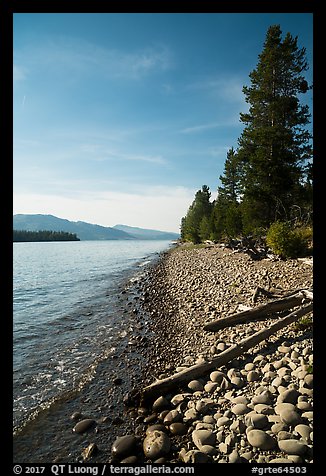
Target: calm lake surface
(66, 318)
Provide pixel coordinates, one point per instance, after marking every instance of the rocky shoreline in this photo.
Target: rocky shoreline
(259, 407)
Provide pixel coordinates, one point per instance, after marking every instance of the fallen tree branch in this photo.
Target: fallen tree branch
(308, 294)
(163, 386)
(256, 249)
(259, 312)
(259, 290)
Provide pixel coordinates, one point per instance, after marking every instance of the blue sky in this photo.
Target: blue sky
(121, 118)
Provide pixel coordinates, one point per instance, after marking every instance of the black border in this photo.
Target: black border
(8, 9)
(219, 6)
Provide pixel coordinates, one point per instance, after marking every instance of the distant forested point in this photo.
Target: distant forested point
(43, 235)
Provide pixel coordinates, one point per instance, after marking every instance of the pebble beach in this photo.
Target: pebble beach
(257, 408)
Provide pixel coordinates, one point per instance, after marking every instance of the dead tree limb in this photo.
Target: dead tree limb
(260, 311)
(161, 387)
(308, 294)
(259, 290)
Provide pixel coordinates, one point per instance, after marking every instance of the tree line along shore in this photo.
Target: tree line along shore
(266, 189)
(43, 235)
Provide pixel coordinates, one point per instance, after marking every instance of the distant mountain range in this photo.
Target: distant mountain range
(88, 231)
(144, 234)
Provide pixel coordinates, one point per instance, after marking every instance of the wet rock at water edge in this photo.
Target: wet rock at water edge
(129, 460)
(150, 418)
(178, 428)
(156, 444)
(173, 416)
(76, 416)
(161, 403)
(157, 427)
(88, 452)
(117, 420)
(84, 425)
(124, 446)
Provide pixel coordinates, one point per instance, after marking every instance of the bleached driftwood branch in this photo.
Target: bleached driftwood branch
(164, 386)
(261, 311)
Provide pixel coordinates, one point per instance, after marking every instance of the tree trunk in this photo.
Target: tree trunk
(260, 311)
(163, 386)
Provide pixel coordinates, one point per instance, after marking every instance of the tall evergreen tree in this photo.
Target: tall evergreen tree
(226, 217)
(195, 225)
(275, 144)
(231, 178)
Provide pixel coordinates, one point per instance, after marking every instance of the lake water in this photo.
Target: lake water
(66, 316)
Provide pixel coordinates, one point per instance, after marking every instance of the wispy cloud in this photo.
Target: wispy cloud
(228, 87)
(104, 134)
(74, 149)
(80, 56)
(152, 159)
(102, 153)
(225, 93)
(201, 127)
(144, 62)
(226, 122)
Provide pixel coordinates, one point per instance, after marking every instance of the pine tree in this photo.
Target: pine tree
(274, 145)
(227, 216)
(195, 225)
(231, 178)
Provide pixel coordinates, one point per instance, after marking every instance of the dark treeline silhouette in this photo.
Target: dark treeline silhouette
(43, 235)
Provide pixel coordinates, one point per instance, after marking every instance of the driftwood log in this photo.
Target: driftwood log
(256, 249)
(161, 387)
(261, 311)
